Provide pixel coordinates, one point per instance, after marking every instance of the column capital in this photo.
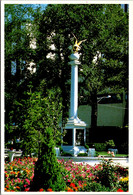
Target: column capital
(74, 56)
(74, 63)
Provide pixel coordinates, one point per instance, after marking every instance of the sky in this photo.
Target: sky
(43, 6)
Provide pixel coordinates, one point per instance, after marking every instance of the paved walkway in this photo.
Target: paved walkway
(95, 160)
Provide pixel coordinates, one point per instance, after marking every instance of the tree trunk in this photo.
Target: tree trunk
(93, 117)
(94, 110)
(65, 76)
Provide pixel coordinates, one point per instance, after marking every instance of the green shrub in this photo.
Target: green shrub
(110, 144)
(82, 154)
(95, 187)
(106, 176)
(100, 146)
(123, 148)
(48, 173)
(66, 154)
(96, 154)
(121, 170)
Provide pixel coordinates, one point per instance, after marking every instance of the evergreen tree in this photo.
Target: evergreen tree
(48, 173)
(43, 111)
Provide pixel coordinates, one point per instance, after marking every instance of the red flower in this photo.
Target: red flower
(49, 190)
(70, 190)
(27, 189)
(120, 190)
(72, 185)
(41, 190)
(75, 188)
(28, 181)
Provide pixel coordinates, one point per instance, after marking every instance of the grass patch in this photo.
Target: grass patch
(105, 153)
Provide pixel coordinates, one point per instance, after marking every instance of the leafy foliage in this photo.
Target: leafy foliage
(100, 146)
(104, 59)
(43, 112)
(95, 187)
(110, 143)
(17, 56)
(107, 176)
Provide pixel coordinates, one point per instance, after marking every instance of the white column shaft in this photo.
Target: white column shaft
(74, 91)
(74, 139)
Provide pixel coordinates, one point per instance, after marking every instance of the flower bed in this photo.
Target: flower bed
(18, 174)
(78, 177)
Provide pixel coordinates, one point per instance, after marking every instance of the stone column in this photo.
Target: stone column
(74, 138)
(74, 91)
(74, 85)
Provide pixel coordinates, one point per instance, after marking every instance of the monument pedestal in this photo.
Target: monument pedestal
(75, 137)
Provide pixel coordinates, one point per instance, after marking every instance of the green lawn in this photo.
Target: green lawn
(105, 153)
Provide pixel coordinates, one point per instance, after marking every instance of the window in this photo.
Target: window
(68, 137)
(79, 137)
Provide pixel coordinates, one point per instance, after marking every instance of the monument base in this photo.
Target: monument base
(75, 136)
(74, 151)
